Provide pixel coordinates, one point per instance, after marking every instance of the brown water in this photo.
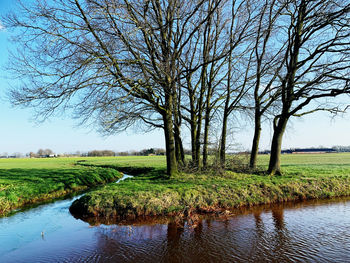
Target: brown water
(317, 231)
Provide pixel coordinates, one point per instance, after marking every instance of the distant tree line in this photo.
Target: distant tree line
(97, 153)
(341, 148)
(42, 153)
(333, 149)
(178, 65)
(144, 152)
(153, 151)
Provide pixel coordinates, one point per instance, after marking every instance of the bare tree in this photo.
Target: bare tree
(44, 153)
(240, 37)
(217, 44)
(201, 62)
(268, 61)
(40, 152)
(114, 61)
(211, 64)
(317, 63)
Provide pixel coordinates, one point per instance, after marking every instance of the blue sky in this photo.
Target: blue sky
(19, 134)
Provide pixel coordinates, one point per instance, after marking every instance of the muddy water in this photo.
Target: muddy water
(317, 231)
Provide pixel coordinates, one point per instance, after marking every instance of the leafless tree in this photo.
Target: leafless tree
(268, 61)
(114, 61)
(201, 62)
(238, 66)
(316, 62)
(160, 64)
(212, 74)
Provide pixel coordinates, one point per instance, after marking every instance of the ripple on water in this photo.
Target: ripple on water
(306, 232)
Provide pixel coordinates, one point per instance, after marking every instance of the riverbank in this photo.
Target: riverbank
(26, 182)
(32, 181)
(151, 194)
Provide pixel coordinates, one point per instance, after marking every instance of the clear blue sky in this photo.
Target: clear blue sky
(19, 134)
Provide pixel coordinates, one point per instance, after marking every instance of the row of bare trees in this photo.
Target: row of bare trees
(182, 65)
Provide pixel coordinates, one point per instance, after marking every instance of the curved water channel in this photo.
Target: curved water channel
(313, 231)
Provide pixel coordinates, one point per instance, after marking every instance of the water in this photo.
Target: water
(316, 231)
(125, 176)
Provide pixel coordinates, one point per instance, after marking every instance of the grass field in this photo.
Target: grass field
(29, 181)
(304, 177)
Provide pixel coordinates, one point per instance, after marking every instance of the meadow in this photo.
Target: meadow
(30, 181)
(305, 176)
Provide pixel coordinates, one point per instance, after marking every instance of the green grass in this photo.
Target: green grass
(304, 177)
(129, 162)
(30, 181)
(309, 159)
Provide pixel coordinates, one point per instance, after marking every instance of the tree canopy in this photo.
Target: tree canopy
(181, 64)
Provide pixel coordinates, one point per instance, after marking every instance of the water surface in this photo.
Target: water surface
(316, 231)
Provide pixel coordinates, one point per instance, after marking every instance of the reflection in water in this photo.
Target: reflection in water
(258, 220)
(198, 230)
(306, 232)
(173, 242)
(281, 238)
(259, 235)
(277, 215)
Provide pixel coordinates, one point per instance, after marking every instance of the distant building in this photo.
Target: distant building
(303, 151)
(308, 150)
(48, 156)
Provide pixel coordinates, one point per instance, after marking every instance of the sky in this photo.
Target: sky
(19, 133)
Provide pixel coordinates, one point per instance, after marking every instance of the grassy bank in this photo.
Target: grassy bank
(304, 177)
(30, 181)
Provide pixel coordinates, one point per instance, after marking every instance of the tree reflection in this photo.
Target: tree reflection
(198, 230)
(173, 242)
(277, 215)
(282, 243)
(258, 221)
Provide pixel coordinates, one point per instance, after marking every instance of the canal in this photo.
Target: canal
(312, 231)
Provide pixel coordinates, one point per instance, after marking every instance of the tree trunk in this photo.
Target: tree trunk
(198, 144)
(207, 120)
(193, 123)
(275, 157)
(205, 139)
(256, 140)
(180, 156)
(169, 144)
(179, 151)
(193, 141)
(223, 139)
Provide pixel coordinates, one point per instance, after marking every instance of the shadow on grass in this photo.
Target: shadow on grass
(46, 180)
(260, 170)
(21, 187)
(151, 173)
(40, 176)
